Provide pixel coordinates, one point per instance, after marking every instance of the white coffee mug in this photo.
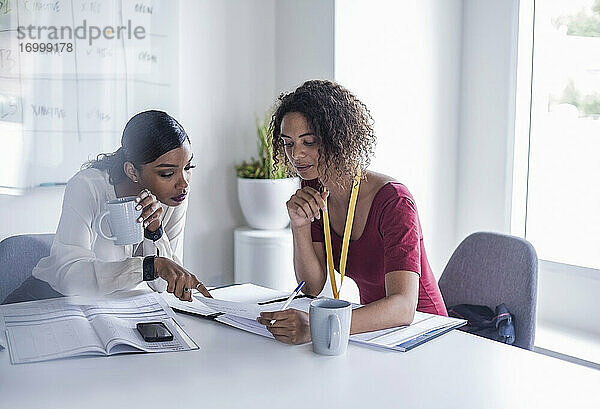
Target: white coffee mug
(122, 220)
(330, 325)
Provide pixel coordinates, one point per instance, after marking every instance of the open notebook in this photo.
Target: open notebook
(66, 327)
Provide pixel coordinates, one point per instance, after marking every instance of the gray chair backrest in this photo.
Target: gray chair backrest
(18, 256)
(491, 269)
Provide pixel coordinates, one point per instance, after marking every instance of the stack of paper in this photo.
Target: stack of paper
(423, 328)
(64, 327)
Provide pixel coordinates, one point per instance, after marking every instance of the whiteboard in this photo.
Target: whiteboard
(60, 108)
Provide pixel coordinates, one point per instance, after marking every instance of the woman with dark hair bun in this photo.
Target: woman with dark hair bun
(347, 217)
(154, 164)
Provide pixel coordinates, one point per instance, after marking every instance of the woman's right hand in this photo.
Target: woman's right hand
(304, 206)
(178, 279)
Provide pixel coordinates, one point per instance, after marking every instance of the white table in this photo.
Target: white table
(234, 369)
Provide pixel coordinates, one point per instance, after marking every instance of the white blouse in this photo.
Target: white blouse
(83, 263)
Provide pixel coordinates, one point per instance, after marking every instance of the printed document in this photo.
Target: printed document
(424, 326)
(246, 293)
(64, 327)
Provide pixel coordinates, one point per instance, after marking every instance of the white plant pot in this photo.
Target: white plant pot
(263, 201)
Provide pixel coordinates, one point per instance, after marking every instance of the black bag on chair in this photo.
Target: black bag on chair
(482, 321)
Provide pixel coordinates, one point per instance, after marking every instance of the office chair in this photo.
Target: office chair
(18, 256)
(491, 269)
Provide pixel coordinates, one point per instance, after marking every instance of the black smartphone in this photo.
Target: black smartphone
(154, 331)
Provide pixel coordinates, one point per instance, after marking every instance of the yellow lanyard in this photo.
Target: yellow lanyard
(345, 242)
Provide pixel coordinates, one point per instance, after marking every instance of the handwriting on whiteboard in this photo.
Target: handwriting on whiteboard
(48, 111)
(143, 8)
(43, 6)
(99, 115)
(94, 7)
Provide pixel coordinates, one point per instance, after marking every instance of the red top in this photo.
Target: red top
(392, 240)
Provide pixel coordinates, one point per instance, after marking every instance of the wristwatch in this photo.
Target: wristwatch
(148, 267)
(153, 235)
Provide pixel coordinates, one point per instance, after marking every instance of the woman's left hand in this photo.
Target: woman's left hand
(151, 210)
(291, 326)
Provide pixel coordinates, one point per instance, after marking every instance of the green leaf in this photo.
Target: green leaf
(262, 168)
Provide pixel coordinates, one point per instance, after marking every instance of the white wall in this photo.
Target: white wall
(403, 61)
(227, 74)
(304, 41)
(486, 114)
(37, 211)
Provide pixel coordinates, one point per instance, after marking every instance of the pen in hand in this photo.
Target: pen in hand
(290, 298)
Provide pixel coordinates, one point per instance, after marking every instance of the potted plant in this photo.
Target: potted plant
(262, 189)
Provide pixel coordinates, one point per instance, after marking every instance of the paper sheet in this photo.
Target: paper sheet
(394, 337)
(195, 306)
(248, 293)
(414, 330)
(382, 333)
(245, 324)
(244, 293)
(244, 310)
(249, 310)
(54, 338)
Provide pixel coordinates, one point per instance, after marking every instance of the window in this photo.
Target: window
(556, 201)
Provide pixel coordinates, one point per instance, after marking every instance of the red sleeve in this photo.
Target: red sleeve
(401, 233)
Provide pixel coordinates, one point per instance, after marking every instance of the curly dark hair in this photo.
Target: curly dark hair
(341, 123)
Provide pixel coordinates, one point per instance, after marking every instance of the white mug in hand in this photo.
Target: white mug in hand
(122, 220)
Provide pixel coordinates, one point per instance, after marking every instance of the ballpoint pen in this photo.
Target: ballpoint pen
(290, 298)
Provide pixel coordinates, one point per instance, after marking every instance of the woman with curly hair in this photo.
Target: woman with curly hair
(325, 134)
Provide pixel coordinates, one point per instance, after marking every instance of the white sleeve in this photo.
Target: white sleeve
(72, 267)
(170, 245)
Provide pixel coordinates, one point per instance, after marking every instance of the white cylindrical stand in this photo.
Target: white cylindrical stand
(264, 257)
